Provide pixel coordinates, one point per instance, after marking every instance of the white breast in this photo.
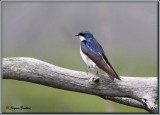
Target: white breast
(88, 61)
(81, 38)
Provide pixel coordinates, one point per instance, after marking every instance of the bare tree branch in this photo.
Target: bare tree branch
(133, 91)
(126, 101)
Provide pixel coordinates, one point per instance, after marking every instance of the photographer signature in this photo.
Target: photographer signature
(17, 108)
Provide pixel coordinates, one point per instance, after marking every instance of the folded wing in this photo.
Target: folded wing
(95, 52)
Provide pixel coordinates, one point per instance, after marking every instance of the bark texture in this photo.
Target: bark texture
(133, 91)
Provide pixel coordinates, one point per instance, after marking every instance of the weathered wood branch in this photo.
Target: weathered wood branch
(133, 91)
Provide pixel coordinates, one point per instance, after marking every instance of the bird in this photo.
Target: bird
(94, 56)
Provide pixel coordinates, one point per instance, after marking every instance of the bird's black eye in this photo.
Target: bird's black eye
(82, 34)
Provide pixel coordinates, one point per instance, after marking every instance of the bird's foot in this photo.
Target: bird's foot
(97, 73)
(87, 71)
(93, 80)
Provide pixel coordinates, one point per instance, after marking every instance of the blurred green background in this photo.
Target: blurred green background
(45, 30)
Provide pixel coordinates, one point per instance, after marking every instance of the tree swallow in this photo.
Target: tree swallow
(93, 55)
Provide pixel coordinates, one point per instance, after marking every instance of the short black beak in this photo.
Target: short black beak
(76, 35)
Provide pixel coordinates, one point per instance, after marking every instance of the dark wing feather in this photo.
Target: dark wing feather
(95, 52)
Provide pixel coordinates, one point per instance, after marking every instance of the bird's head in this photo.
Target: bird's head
(84, 35)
